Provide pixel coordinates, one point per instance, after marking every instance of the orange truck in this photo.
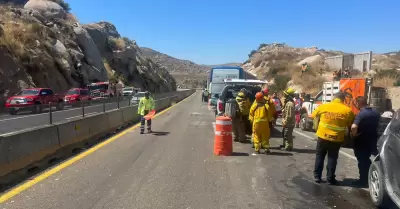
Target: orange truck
(353, 87)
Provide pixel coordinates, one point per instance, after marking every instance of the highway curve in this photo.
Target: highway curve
(175, 168)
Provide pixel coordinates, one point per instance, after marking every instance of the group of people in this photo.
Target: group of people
(335, 120)
(260, 117)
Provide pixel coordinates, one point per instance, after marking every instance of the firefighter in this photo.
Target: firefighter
(260, 116)
(238, 126)
(146, 105)
(288, 120)
(271, 105)
(334, 119)
(244, 106)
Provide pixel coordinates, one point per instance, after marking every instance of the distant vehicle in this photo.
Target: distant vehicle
(232, 88)
(75, 95)
(136, 98)
(383, 177)
(215, 82)
(129, 91)
(34, 99)
(105, 89)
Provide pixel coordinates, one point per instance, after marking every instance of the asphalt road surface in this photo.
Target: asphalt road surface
(175, 168)
(11, 123)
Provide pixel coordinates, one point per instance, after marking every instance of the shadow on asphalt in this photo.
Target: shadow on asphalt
(304, 151)
(240, 154)
(281, 154)
(349, 182)
(159, 133)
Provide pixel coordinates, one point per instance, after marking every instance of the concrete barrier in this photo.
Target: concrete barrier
(78, 130)
(130, 114)
(23, 148)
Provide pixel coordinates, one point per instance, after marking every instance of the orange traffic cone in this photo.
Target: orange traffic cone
(223, 136)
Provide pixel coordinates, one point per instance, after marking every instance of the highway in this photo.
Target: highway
(11, 123)
(174, 168)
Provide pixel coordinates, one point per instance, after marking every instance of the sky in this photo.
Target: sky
(222, 31)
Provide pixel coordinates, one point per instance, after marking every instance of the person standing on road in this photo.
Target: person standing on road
(244, 106)
(288, 120)
(235, 109)
(365, 133)
(146, 105)
(298, 103)
(204, 97)
(260, 117)
(334, 119)
(271, 105)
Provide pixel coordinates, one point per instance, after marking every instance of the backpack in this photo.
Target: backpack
(231, 108)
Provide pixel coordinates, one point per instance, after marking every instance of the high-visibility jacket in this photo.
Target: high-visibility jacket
(244, 105)
(205, 93)
(334, 119)
(146, 104)
(260, 112)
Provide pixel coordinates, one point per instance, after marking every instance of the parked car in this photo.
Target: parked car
(232, 88)
(135, 99)
(384, 178)
(34, 99)
(129, 91)
(75, 95)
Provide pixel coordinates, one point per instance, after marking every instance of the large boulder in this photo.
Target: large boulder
(96, 71)
(47, 8)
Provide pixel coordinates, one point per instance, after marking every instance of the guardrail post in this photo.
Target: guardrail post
(50, 114)
(129, 101)
(83, 108)
(104, 105)
(117, 100)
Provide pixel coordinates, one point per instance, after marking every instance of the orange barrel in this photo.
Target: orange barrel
(223, 136)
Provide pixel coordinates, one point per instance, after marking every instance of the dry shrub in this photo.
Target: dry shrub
(72, 18)
(117, 43)
(110, 71)
(384, 82)
(257, 60)
(19, 37)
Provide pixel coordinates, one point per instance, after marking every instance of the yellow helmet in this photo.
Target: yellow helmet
(241, 94)
(289, 92)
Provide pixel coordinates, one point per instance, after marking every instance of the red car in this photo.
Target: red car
(34, 99)
(75, 95)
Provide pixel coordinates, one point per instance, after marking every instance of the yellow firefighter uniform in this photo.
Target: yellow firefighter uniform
(271, 105)
(239, 122)
(334, 119)
(260, 116)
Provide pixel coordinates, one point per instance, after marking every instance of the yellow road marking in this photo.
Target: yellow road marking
(15, 191)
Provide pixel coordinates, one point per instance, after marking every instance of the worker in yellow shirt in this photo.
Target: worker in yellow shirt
(244, 106)
(335, 118)
(260, 116)
(146, 105)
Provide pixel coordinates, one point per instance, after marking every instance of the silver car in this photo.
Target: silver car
(135, 99)
(128, 91)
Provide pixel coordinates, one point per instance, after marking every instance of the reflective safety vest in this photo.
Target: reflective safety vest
(146, 105)
(205, 93)
(334, 119)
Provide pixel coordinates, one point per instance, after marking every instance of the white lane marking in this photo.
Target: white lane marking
(78, 116)
(313, 140)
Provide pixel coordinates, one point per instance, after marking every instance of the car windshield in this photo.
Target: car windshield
(72, 92)
(141, 94)
(28, 92)
(128, 89)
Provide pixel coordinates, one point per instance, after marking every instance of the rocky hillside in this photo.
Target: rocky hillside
(281, 65)
(186, 73)
(42, 45)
